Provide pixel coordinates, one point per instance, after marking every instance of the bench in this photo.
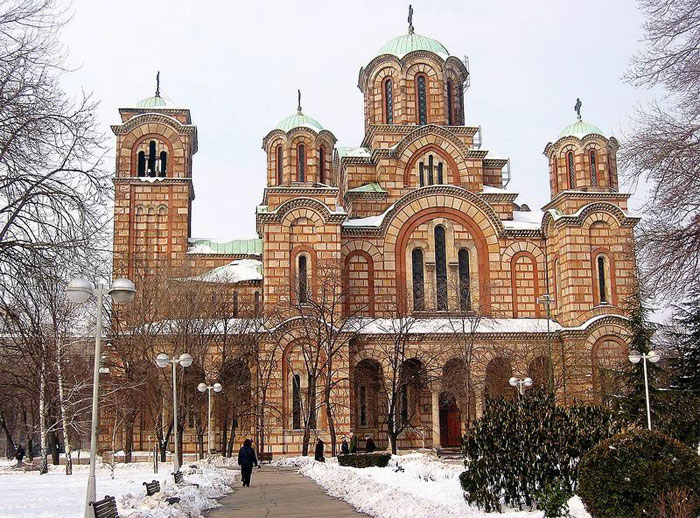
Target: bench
(105, 508)
(180, 479)
(154, 487)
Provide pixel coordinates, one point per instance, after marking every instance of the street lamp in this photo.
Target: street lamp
(79, 290)
(521, 384)
(653, 357)
(216, 387)
(162, 361)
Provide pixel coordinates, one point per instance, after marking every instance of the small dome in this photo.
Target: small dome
(299, 120)
(580, 129)
(157, 102)
(402, 45)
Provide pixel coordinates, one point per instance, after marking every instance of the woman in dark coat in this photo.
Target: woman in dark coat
(370, 444)
(246, 460)
(344, 448)
(318, 454)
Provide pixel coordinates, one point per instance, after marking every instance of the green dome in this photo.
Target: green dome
(402, 45)
(299, 120)
(580, 129)
(156, 102)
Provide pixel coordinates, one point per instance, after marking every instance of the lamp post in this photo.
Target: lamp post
(79, 290)
(216, 387)
(521, 384)
(162, 361)
(653, 357)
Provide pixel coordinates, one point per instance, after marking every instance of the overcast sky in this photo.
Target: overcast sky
(237, 66)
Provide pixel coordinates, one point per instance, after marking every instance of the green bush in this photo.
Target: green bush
(624, 476)
(518, 448)
(553, 499)
(365, 460)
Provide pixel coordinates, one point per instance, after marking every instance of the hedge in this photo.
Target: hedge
(365, 460)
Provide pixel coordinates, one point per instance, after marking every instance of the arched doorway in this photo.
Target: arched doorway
(450, 421)
(498, 372)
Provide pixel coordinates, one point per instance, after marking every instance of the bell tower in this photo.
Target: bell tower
(153, 188)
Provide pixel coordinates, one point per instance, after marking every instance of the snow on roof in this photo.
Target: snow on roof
(359, 152)
(239, 270)
(524, 220)
(369, 221)
(453, 325)
(489, 189)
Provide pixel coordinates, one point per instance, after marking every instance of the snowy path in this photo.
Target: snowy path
(277, 492)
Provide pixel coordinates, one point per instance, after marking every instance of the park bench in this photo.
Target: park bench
(180, 479)
(105, 508)
(154, 487)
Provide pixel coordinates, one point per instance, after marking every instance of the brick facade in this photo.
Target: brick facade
(365, 211)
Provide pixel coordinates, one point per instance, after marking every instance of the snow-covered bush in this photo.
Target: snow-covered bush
(518, 448)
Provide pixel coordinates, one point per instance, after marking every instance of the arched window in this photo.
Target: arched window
(602, 280)
(594, 171)
(163, 163)
(296, 402)
(421, 174)
(234, 303)
(152, 158)
(142, 164)
(256, 299)
(610, 171)
(418, 280)
(465, 302)
(322, 165)
(388, 101)
(439, 173)
(570, 169)
(421, 100)
(301, 163)
(430, 170)
(440, 269)
(303, 281)
(450, 103)
(278, 165)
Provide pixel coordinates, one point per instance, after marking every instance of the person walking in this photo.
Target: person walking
(19, 455)
(318, 453)
(353, 443)
(344, 448)
(370, 444)
(246, 460)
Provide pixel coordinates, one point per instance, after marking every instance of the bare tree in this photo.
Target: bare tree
(664, 147)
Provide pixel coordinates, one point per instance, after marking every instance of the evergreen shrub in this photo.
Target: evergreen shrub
(624, 476)
(365, 460)
(518, 449)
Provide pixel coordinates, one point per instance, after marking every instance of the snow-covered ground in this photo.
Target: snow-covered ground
(422, 486)
(25, 494)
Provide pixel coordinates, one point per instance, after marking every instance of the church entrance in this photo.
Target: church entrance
(450, 421)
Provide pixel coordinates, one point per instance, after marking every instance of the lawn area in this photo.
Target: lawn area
(27, 494)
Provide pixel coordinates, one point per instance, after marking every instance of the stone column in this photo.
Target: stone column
(436, 418)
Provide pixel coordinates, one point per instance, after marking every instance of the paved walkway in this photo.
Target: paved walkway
(281, 492)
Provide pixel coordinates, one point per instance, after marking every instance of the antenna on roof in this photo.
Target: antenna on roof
(578, 108)
(158, 84)
(410, 19)
(299, 101)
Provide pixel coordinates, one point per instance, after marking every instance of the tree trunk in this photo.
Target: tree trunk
(128, 437)
(53, 447)
(331, 425)
(62, 408)
(224, 436)
(10, 441)
(44, 467)
(180, 434)
(232, 438)
(200, 441)
(261, 425)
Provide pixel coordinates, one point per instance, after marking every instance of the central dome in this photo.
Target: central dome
(299, 120)
(402, 45)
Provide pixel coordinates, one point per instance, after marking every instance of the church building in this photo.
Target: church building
(417, 224)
